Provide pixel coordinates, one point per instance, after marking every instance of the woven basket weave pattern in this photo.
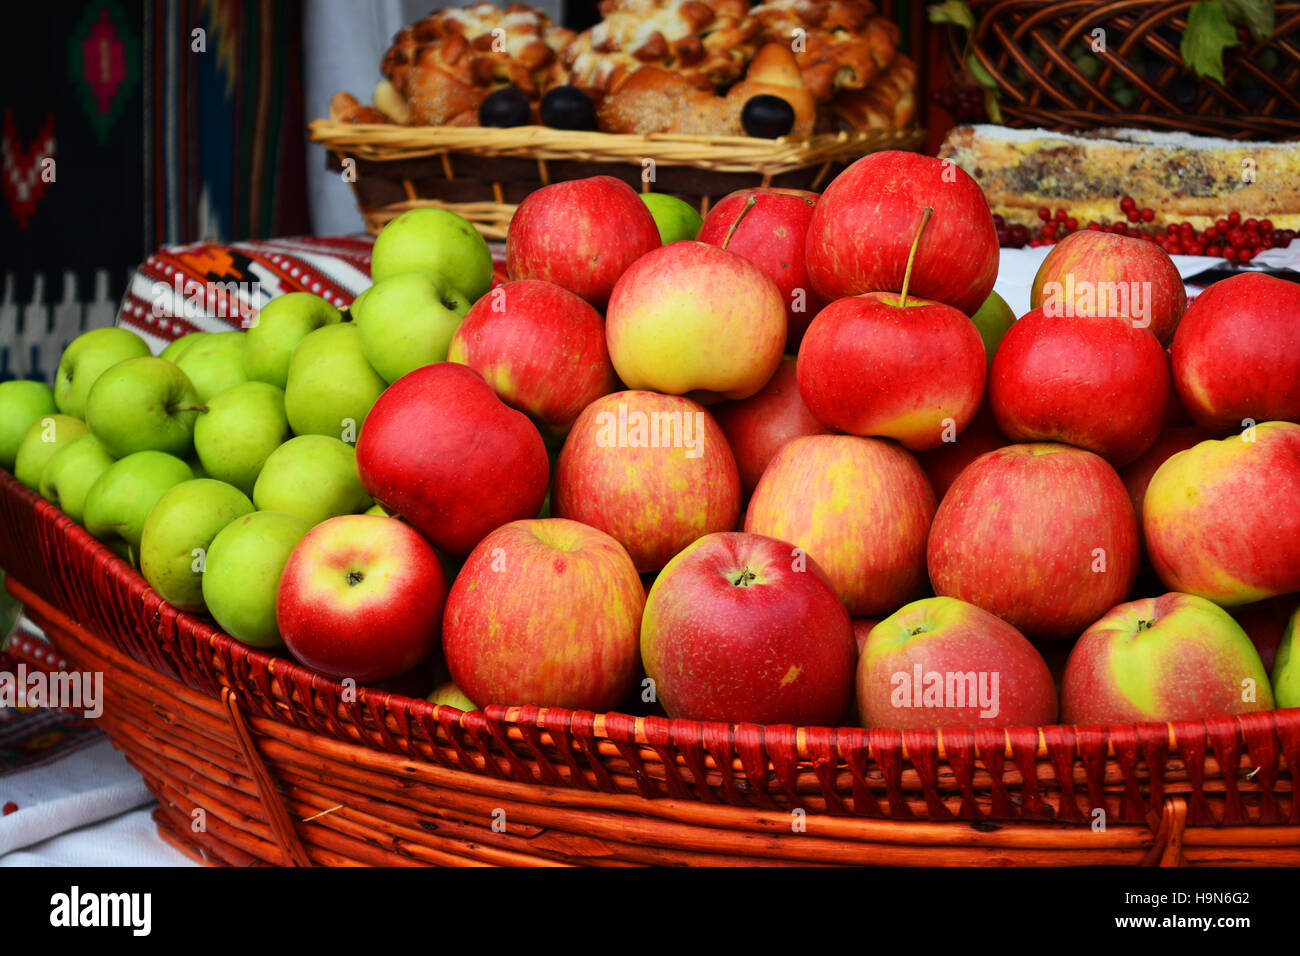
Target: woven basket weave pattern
(483, 174)
(211, 723)
(1025, 45)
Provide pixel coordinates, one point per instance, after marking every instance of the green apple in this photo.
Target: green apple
(452, 696)
(70, 473)
(21, 402)
(214, 363)
(122, 497)
(1286, 666)
(356, 303)
(178, 532)
(243, 570)
(44, 437)
(86, 358)
(241, 427)
(178, 347)
(143, 404)
(676, 219)
(313, 476)
(281, 325)
(377, 509)
(407, 321)
(438, 242)
(993, 318)
(331, 386)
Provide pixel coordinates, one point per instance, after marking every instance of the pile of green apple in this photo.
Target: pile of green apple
(206, 465)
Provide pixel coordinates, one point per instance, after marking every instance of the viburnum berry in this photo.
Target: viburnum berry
(1044, 213)
(1127, 203)
(1234, 217)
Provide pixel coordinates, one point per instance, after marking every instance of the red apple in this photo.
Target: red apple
(940, 662)
(769, 226)
(1237, 353)
(1042, 535)
(692, 318)
(1092, 382)
(1265, 623)
(545, 612)
(440, 450)
(1137, 475)
(860, 507)
(745, 629)
(361, 596)
(861, 628)
(945, 463)
(862, 229)
(581, 234)
(870, 365)
(515, 335)
(1103, 274)
(1176, 657)
(653, 471)
(1222, 519)
(757, 427)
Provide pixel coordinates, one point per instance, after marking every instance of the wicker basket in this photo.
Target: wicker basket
(255, 759)
(1026, 45)
(483, 174)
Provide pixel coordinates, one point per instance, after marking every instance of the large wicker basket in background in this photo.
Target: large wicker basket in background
(483, 174)
(255, 759)
(1039, 52)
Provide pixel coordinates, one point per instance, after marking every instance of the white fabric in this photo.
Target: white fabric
(91, 784)
(128, 840)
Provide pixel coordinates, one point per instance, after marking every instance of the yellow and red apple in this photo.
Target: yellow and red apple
(1175, 657)
(1042, 535)
(860, 507)
(1222, 519)
(653, 471)
(546, 612)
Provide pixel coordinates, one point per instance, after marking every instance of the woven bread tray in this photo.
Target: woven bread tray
(255, 759)
(483, 173)
(1028, 47)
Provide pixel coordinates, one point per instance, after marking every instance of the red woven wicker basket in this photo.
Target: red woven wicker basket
(255, 759)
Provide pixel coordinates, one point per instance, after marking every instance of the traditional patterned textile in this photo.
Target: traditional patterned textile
(128, 125)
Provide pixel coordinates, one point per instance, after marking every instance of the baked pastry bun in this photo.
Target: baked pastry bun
(839, 44)
(707, 44)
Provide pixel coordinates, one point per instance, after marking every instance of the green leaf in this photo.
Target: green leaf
(1207, 35)
(955, 12)
(982, 76)
(1257, 16)
(991, 106)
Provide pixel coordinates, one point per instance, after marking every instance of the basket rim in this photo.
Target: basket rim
(375, 700)
(389, 142)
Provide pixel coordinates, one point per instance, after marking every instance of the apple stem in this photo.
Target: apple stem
(745, 578)
(749, 204)
(926, 213)
(189, 408)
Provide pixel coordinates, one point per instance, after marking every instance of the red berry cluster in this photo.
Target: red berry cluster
(1232, 238)
(1011, 236)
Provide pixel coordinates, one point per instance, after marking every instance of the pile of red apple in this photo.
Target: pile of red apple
(805, 468)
